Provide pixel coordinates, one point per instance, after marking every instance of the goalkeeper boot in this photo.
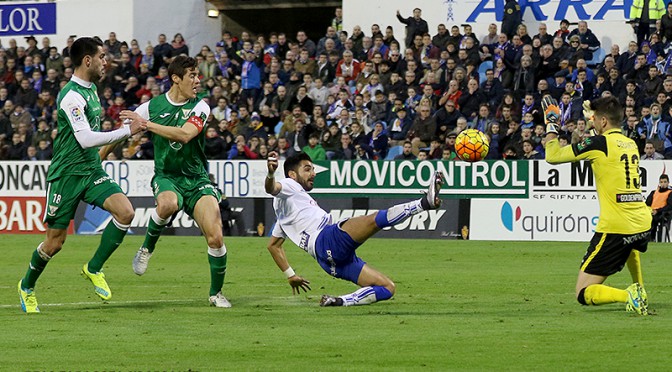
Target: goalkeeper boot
(635, 302)
(432, 194)
(327, 300)
(141, 260)
(644, 297)
(28, 300)
(219, 300)
(99, 283)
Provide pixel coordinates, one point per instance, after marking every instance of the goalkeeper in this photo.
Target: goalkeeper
(623, 228)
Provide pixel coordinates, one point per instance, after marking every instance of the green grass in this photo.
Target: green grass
(460, 305)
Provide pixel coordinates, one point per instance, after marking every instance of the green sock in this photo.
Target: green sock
(113, 235)
(154, 232)
(38, 262)
(217, 273)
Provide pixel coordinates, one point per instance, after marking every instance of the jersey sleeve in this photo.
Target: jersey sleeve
(288, 188)
(73, 106)
(590, 148)
(199, 115)
(202, 111)
(143, 110)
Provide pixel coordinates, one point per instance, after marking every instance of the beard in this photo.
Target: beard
(96, 76)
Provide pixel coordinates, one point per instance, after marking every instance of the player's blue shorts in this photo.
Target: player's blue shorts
(335, 251)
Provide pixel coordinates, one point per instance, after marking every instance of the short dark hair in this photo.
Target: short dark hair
(180, 65)
(82, 47)
(664, 177)
(292, 162)
(608, 107)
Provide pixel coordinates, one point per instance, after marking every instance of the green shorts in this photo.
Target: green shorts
(188, 190)
(65, 193)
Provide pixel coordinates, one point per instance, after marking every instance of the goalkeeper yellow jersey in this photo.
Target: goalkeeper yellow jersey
(615, 162)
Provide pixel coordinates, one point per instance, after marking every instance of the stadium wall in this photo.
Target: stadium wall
(143, 20)
(606, 18)
(493, 200)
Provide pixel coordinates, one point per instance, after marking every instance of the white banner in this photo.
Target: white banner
(245, 178)
(606, 18)
(237, 178)
(551, 220)
(562, 206)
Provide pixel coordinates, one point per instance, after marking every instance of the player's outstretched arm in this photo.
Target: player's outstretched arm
(270, 185)
(183, 134)
(278, 253)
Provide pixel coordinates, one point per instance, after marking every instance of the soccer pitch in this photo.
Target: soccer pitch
(460, 305)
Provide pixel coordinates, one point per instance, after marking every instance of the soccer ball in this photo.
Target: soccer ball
(472, 145)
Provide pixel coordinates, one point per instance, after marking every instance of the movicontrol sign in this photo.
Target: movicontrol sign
(486, 179)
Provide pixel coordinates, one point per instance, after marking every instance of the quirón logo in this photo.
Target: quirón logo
(545, 222)
(508, 216)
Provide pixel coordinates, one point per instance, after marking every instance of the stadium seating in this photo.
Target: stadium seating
(598, 57)
(277, 128)
(482, 68)
(394, 151)
(663, 230)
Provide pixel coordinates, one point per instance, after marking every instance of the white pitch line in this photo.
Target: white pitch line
(105, 303)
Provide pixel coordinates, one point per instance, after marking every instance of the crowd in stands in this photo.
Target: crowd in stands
(360, 95)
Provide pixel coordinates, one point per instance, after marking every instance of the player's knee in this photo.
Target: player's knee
(166, 208)
(215, 240)
(125, 216)
(390, 286)
(51, 247)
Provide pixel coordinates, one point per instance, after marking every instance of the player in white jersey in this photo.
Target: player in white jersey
(333, 245)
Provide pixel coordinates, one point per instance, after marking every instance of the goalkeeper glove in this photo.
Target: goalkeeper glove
(551, 114)
(588, 114)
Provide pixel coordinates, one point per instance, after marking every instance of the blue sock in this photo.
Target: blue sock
(382, 293)
(397, 213)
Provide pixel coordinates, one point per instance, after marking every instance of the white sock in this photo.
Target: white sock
(397, 213)
(217, 252)
(158, 220)
(362, 296)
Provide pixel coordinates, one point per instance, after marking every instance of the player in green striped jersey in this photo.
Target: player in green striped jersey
(75, 174)
(181, 180)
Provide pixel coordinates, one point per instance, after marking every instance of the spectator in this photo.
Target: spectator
(177, 47)
(18, 149)
(215, 146)
(26, 95)
(44, 150)
(378, 141)
(650, 152)
(113, 45)
(660, 201)
(314, 149)
(422, 130)
(414, 25)
(643, 16)
(346, 150)
(406, 153)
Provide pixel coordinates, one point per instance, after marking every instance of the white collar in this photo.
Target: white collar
(82, 82)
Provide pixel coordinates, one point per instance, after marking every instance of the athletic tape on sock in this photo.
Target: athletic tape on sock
(120, 225)
(158, 220)
(43, 255)
(217, 252)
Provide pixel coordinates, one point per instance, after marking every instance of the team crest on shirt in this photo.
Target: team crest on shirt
(175, 145)
(584, 144)
(52, 210)
(185, 114)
